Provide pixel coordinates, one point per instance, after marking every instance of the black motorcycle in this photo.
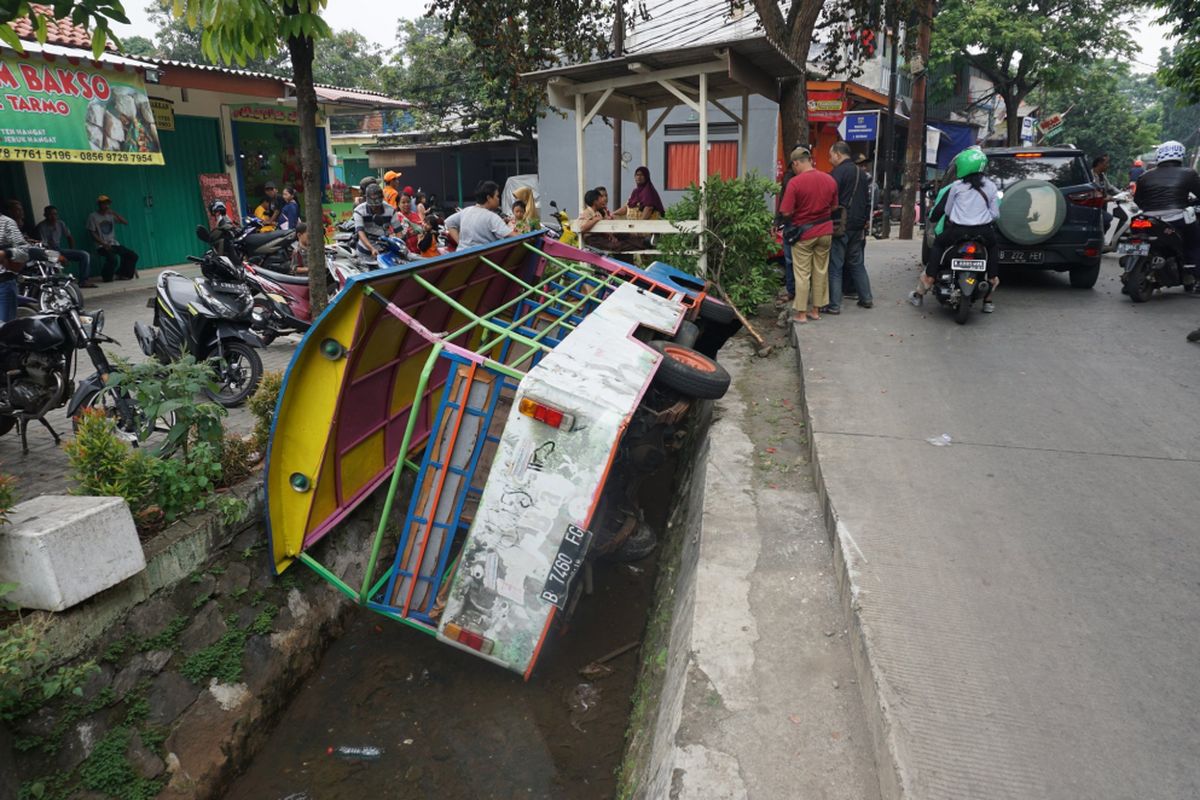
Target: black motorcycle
(210, 318)
(1152, 257)
(36, 284)
(38, 355)
(961, 278)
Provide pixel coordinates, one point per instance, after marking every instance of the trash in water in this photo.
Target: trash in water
(594, 671)
(583, 701)
(297, 796)
(348, 753)
(940, 441)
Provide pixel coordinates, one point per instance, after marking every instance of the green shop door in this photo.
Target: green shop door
(162, 204)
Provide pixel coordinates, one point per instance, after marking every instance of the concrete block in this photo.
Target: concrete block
(63, 550)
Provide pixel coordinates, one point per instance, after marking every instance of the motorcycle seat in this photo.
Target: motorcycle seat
(254, 241)
(279, 277)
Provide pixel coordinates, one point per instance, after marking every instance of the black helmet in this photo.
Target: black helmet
(216, 208)
(374, 196)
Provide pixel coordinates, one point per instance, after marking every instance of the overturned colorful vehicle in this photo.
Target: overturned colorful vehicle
(512, 383)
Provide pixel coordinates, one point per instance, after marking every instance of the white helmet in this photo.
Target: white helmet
(1170, 151)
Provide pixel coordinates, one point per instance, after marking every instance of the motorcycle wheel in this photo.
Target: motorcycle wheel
(130, 426)
(1137, 283)
(963, 311)
(7, 423)
(238, 376)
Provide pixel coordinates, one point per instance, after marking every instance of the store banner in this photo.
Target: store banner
(53, 110)
(825, 106)
(164, 113)
(218, 186)
(272, 115)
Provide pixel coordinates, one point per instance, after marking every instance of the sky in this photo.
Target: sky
(370, 18)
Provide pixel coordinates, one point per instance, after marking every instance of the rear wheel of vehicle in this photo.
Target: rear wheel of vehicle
(690, 372)
(963, 311)
(1137, 282)
(7, 423)
(687, 334)
(130, 418)
(713, 310)
(1085, 277)
(924, 250)
(238, 374)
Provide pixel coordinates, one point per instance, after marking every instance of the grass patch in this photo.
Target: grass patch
(221, 660)
(166, 638)
(107, 770)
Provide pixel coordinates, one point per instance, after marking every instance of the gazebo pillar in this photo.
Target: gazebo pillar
(702, 262)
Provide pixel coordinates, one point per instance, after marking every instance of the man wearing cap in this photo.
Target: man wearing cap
(102, 225)
(268, 209)
(391, 192)
(807, 205)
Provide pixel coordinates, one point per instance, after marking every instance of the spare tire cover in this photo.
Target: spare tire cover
(1031, 212)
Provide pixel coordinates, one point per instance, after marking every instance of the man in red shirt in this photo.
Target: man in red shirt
(808, 203)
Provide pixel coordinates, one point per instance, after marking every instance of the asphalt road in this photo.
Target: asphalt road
(1028, 596)
(44, 470)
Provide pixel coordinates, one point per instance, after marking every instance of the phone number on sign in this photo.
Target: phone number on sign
(77, 156)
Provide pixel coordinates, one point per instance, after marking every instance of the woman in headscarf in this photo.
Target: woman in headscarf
(644, 202)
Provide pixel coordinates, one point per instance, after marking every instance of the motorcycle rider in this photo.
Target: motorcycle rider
(1168, 192)
(971, 206)
(368, 221)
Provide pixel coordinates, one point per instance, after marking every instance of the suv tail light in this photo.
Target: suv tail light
(1092, 198)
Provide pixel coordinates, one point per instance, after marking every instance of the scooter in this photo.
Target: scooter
(563, 224)
(1152, 254)
(271, 250)
(961, 278)
(1123, 210)
(211, 318)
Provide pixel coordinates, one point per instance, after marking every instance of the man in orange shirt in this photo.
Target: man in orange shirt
(807, 205)
(391, 194)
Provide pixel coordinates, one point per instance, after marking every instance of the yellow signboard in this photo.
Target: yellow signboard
(164, 113)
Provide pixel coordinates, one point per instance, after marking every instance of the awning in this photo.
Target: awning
(356, 100)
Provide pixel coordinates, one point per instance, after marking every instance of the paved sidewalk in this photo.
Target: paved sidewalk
(1026, 603)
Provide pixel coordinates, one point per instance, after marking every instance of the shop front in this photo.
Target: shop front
(266, 144)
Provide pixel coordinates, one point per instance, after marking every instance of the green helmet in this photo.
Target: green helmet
(970, 161)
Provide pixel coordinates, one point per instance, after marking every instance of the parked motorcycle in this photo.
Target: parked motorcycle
(561, 225)
(38, 354)
(961, 279)
(271, 250)
(1151, 254)
(211, 318)
(36, 282)
(1123, 209)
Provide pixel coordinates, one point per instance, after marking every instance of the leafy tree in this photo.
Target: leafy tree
(178, 40)
(348, 60)
(1182, 70)
(1103, 118)
(90, 14)
(138, 46)
(509, 37)
(1179, 108)
(1021, 45)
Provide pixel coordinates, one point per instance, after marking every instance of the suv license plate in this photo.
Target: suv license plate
(567, 562)
(1132, 249)
(1021, 256)
(968, 264)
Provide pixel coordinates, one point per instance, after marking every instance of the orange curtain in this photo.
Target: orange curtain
(683, 162)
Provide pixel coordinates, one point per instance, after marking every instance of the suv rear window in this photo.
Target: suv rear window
(1062, 171)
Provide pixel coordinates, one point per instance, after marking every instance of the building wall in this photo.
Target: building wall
(556, 151)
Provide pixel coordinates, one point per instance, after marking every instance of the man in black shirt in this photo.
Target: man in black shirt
(847, 256)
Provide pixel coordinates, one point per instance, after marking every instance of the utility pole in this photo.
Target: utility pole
(914, 164)
(618, 125)
(889, 131)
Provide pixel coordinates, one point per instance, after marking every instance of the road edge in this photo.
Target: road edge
(885, 728)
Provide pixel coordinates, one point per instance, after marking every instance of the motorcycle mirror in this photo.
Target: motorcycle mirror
(202, 234)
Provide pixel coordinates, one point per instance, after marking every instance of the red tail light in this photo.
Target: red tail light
(1141, 224)
(469, 638)
(547, 414)
(969, 249)
(1091, 252)
(1092, 198)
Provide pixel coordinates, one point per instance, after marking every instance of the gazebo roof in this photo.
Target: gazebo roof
(734, 67)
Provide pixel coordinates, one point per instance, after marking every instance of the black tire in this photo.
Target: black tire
(690, 372)
(1137, 283)
(687, 334)
(1085, 277)
(238, 376)
(712, 310)
(129, 429)
(963, 312)
(7, 423)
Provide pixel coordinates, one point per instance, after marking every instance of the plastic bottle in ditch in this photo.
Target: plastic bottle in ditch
(351, 753)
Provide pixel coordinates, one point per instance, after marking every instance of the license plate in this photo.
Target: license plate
(1131, 249)
(1021, 256)
(968, 265)
(567, 562)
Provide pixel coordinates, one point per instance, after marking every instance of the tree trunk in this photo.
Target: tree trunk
(793, 115)
(1012, 107)
(301, 50)
(914, 165)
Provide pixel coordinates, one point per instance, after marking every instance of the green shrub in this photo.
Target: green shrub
(26, 677)
(237, 455)
(162, 390)
(741, 219)
(262, 406)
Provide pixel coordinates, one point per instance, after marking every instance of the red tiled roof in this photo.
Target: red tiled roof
(62, 32)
